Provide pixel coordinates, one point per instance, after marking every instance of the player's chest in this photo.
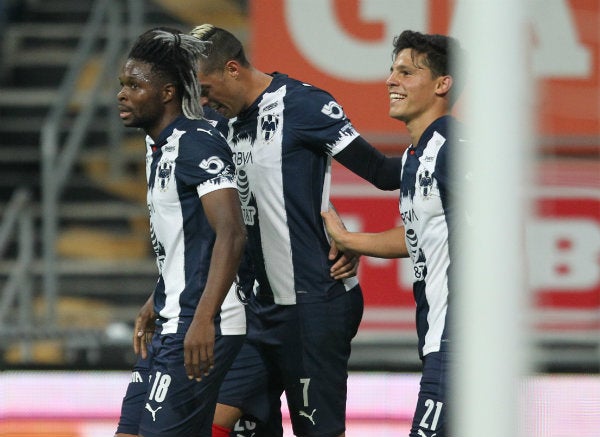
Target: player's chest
(163, 189)
(260, 144)
(420, 193)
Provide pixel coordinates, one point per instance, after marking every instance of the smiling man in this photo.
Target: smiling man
(422, 87)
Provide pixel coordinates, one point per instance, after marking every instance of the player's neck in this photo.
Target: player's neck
(168, 117)
(417, 126)
(258, 82)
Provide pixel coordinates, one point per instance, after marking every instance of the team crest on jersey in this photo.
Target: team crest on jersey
(163, 174)
(425, 183)
(269, 123)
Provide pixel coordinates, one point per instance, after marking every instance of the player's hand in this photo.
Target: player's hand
(346, 265)
(335, 228)
(198, 349)
(144, 328)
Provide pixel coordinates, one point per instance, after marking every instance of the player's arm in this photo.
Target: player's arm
(222, 209)
(386, 244)
(324, 127)
(366, 161)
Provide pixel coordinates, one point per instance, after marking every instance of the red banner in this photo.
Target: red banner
(563, 242)
(344, 46)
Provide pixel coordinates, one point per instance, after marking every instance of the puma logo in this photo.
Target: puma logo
(149, 408)
(308, 416)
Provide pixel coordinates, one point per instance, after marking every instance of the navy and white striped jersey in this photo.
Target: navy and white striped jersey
(190, 159)
(426, 211)
(282, 147)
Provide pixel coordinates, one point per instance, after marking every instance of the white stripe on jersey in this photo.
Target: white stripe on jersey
(437, 257)
(268, 190)
(166, 224)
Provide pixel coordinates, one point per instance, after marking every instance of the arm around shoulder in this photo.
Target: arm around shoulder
(366, 161)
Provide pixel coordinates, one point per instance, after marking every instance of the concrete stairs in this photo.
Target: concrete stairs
(104, 258)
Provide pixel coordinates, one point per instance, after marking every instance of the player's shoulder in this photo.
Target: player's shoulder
(201, 136)
(310, 100)
(446, 128)
(456, 133)
(300, 88)
(201, 128)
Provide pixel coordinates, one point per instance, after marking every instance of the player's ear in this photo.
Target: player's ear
(169, 91)
(444, 83)
(232, 68)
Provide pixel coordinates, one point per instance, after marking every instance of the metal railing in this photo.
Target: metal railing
(107, 22)
(17, 224)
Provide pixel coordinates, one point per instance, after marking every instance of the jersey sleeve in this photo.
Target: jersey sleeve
(370, 164)
(322, 123)
(205, 162)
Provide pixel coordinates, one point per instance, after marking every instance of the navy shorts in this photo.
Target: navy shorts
(133, 401)
(246, 387)
(247, 394)
(245, 384)
(305, 349)
(175, 405)
(431, 415)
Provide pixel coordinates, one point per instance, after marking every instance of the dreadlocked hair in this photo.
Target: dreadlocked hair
(174, 56)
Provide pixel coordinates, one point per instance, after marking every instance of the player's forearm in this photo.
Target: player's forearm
(387, 244)
(225, 260)
(370, 164)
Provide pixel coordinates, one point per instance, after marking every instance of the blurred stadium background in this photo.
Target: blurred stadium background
(75, 257)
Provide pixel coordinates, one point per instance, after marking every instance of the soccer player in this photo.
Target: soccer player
(422, 88)
(197, 232)
(303, 317)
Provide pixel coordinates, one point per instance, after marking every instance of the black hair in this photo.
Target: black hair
(174, 57)
(223, 48)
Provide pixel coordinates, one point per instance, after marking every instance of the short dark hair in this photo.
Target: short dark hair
(223, 47)
(442, 54)
(173, 56)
